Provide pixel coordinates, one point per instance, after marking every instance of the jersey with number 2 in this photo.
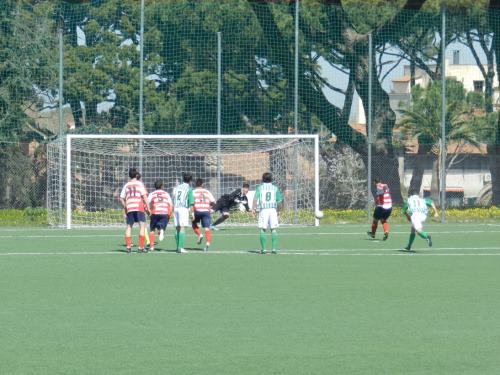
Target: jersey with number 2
(183, 196)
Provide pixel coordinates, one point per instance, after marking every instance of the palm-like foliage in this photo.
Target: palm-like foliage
(422, 121)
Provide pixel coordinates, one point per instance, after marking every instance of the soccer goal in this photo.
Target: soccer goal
(86, 172)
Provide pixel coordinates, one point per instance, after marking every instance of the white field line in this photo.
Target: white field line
(314, 252)
(231, 228)
(70, 235)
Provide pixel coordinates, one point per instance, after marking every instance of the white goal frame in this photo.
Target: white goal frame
(71, 137)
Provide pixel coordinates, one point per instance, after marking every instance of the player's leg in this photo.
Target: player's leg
(263, 223)
(417, 220)
(385, 222)
(183, 217)
(225, 215)
(177, 228)
(131, 219)
(162, 228)
(196, 228)
(205, 223)
(273, 224)
(152, 227)
(128, 233)
(142, 230)
(376, 218)
(420, 231)
(411, 239)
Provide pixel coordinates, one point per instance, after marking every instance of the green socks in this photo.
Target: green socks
(263, 240)
(423, 235)
(182, 237)
(412, 238)
(274, 238)
(179, 239)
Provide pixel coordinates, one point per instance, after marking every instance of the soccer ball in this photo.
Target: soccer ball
(319, 214)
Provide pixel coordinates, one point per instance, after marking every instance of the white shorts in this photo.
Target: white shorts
(268, 217)
(417, 220)
(181, 217)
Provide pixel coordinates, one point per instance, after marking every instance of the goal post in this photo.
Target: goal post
(96, 168)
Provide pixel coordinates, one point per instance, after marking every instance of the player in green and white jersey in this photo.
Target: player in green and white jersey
(183, 201)
(266, 200)
(416, 209)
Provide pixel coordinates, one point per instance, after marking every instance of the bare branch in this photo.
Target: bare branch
(474, 53)
(390, 70)
(327, 84)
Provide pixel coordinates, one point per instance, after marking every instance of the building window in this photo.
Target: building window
(456, 57)
(478, 86)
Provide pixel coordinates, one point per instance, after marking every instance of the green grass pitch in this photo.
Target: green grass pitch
(332, 302)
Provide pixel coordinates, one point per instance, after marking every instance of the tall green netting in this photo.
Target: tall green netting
(101, 65)
(229, 66)
(28, 102)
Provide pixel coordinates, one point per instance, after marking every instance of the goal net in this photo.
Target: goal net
(87, 172)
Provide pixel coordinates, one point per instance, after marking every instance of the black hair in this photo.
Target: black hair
(158, 184)
(413, 191)
(198, 182)
(377, 180)
(187, 177)
(267, 177)
(246, 185)
(132, 172)
(137, 176)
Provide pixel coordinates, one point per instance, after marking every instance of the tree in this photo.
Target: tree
(28, 68)
(422, 121)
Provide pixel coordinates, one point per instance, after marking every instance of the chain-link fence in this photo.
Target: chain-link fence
(367, 76)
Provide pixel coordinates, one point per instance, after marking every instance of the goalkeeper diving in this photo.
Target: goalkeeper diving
(229, 202)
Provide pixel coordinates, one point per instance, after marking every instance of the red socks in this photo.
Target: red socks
(386, 227)
(196, 230)
(128, 242)
(374, 228)
(208, 236)
(141, 242)
(152, 239)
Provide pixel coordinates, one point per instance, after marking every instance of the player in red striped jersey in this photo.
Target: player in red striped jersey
(160, 205)
(203, 204)
(383, 209)
(133, 200)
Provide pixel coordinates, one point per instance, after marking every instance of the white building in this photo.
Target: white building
(465, 180)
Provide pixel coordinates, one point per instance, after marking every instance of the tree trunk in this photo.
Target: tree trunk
(419, 168)
(412, 73)
(385, 163)
(76, 110)
(435, 179)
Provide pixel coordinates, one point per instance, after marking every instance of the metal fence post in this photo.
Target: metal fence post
(61, 119)
(442, 174)
(369, 127)
(141, 87)
(219, 109)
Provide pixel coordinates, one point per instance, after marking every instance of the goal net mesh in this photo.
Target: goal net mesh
(99, 169)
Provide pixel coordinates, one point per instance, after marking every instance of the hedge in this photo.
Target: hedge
(38, 216)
